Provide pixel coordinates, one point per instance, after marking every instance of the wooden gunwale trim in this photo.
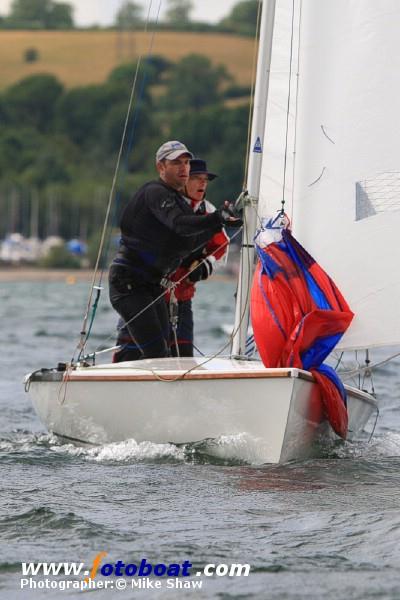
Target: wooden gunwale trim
(71, 377)
(365, 396)
(178, 376)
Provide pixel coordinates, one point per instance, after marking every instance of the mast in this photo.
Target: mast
(250, 202)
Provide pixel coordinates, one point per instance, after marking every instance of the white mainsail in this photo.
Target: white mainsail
(346, 191)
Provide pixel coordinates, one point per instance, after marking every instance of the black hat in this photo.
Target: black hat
(200, 166)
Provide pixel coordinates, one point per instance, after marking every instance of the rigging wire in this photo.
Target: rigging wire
(360, 369)
(368, 373)
(252, 91)
(296, 104)
(202, 363)
(173, 285)
(244, 196)
(247, 296)
(84, 334)
(218, 352)
(359, 372)
(288, 111)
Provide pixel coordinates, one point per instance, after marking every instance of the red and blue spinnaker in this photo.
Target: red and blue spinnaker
(298, 316)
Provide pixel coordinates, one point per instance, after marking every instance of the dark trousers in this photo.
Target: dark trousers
(184, 331)
(149, 330)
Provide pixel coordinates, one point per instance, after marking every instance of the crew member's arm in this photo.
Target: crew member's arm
(215, 252)
(166, 208)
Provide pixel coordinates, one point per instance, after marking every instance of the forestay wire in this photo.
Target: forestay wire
(287, 114)
(84, 334)
(252, 90)
(288, 111)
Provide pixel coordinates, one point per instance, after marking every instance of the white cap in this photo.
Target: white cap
(171, 150)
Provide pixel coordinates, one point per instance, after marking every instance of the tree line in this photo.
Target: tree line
(59, 147)
(52, 15)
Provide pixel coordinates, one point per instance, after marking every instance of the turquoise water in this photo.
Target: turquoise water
(323, 528)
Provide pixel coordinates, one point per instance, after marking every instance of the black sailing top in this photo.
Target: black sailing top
(159, 228)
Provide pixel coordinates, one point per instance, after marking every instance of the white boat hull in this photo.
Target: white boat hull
(182, 400)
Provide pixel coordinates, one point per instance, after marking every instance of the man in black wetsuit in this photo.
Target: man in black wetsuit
(158, 229)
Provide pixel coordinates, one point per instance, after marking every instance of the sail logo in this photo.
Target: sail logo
(257, 146)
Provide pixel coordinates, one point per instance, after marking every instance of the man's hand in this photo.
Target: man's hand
(228, 215)
(200, 271)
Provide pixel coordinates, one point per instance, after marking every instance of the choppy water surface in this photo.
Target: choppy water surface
(323, 528)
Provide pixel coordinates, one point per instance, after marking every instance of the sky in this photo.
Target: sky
(102, 12)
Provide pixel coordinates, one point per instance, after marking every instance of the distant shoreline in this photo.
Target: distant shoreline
(26, 274)
(69, 276)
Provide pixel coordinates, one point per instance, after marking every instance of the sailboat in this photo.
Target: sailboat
(331, 121)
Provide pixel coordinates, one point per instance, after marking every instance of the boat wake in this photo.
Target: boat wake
(381, 446)
(228, 450)
(224, 450)
(384, 445)
(126, 451)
